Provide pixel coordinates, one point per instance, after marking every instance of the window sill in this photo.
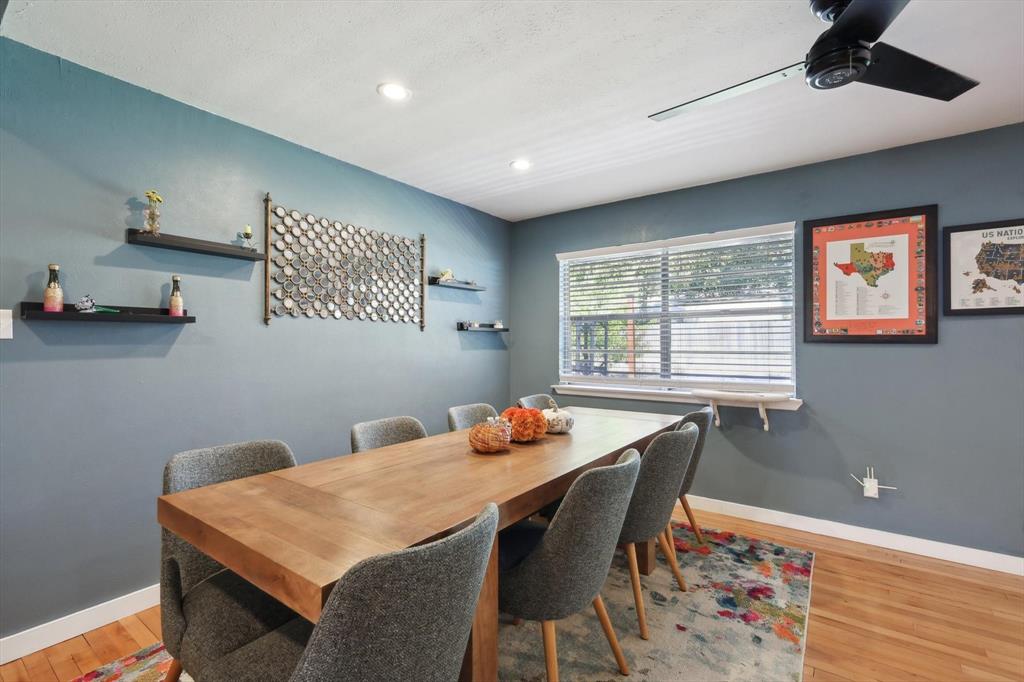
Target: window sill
(759, 401)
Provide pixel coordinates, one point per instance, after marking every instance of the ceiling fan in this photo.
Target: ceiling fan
(848, 52)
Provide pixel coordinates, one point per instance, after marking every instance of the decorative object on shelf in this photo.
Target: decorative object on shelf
(152, 212)
(446, 276)
(33, 310)
(455, 284)
(527, 423)
(480, 327)
(246, 236)
(329, 269)
(53, 296)
(490, 436)
(87, 305)
(498, 324)
(870, 278)
(176, 307)
(175, 242)
(983, 268)
(559, 420)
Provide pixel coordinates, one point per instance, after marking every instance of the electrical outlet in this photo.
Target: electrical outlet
(870, 484)
(6, 325)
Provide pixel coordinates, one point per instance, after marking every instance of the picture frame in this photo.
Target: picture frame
(871, 277)
(983, 268)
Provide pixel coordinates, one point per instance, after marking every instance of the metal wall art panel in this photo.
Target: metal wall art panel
(322, 268)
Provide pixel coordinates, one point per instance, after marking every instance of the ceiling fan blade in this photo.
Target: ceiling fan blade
(895, 69)
(730, 92)
(865, 20)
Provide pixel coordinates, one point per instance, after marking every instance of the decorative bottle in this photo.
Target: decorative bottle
(53, 297)
(177, 304)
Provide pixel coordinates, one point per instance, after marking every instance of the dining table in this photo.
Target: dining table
(294, 532)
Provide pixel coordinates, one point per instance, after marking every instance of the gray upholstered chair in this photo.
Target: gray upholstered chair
(207, 611)
(650, 510)
(551, 573)
(538, 401)
(464, 416)
(383, 432)
(702, 418)
(405, 615)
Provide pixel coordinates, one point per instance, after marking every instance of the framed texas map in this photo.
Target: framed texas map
(983, 268)
(870, 278)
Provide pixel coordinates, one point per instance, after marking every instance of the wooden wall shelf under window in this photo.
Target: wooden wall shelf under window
(33, 310)
(454, 284)
(178, 243)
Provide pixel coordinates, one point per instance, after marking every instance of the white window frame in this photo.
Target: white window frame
(663, 390)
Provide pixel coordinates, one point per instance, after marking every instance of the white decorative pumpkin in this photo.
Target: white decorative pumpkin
(559, 421)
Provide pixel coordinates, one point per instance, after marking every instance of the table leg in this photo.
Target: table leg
(481, 661)
(645, 557)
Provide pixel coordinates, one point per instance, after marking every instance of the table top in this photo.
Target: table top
(294, 532)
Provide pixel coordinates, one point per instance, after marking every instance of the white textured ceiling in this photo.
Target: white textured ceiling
(567, 84)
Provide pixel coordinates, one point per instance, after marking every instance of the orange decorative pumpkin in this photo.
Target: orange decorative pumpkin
(490, 436)
(527, 423)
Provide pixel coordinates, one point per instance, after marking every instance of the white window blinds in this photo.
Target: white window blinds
(708, 311)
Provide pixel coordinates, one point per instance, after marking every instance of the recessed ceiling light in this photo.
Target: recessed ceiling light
(521, 164)
(394, 91)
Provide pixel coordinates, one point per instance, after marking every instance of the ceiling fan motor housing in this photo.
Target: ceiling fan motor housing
(828, 10)
(832, 66)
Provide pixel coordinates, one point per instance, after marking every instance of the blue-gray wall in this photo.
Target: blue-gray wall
(945, 423)
(90, 412)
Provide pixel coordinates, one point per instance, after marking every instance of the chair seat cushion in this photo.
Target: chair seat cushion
(272, 657)
(223, 613)
(517, 541)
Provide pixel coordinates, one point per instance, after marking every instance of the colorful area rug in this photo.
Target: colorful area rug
(743, 618)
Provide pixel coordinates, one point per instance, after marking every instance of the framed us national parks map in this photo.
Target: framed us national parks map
(983, 268)
(870, 278)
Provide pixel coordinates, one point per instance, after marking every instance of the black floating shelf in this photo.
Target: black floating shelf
(454, 284)
(464, 327)
(31, 310)
(178, 243)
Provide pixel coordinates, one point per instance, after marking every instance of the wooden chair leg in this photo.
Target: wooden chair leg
(174, 672)
(671, 538)
(670, 557)
(693, 521)
(550, 650)
(638, 597)
(606, 624)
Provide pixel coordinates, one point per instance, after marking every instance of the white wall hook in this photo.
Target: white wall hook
(870, 484)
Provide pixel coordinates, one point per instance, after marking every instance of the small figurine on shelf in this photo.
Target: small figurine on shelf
(87, 305)
(446, 275)
(246, 236)
(152, 212)
(498, 324)
(177, 303)
(53, 297)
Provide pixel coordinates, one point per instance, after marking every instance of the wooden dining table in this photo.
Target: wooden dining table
(293, 533)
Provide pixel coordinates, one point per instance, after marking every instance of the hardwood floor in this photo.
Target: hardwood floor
(876, 614)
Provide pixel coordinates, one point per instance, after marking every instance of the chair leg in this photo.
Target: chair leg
(550, 650)
(638, 597)
(174, 672)
(671, 538)
(670, 557)
(606, 624)
(693, 521)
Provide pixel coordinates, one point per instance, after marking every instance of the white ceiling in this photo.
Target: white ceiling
(567, 84)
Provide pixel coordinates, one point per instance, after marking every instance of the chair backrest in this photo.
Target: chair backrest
(404, 615)
(702, 418)
(382, 432)
(538, 401)
(662, 469)
(206, 466)
(465, 416)
(567, 569)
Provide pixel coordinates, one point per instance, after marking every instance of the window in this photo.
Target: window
(711, 311)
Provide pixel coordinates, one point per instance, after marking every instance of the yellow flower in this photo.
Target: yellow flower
(153, 196)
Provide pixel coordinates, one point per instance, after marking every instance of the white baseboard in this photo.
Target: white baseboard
(56, 631)
(66, 627)
(981, 558)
